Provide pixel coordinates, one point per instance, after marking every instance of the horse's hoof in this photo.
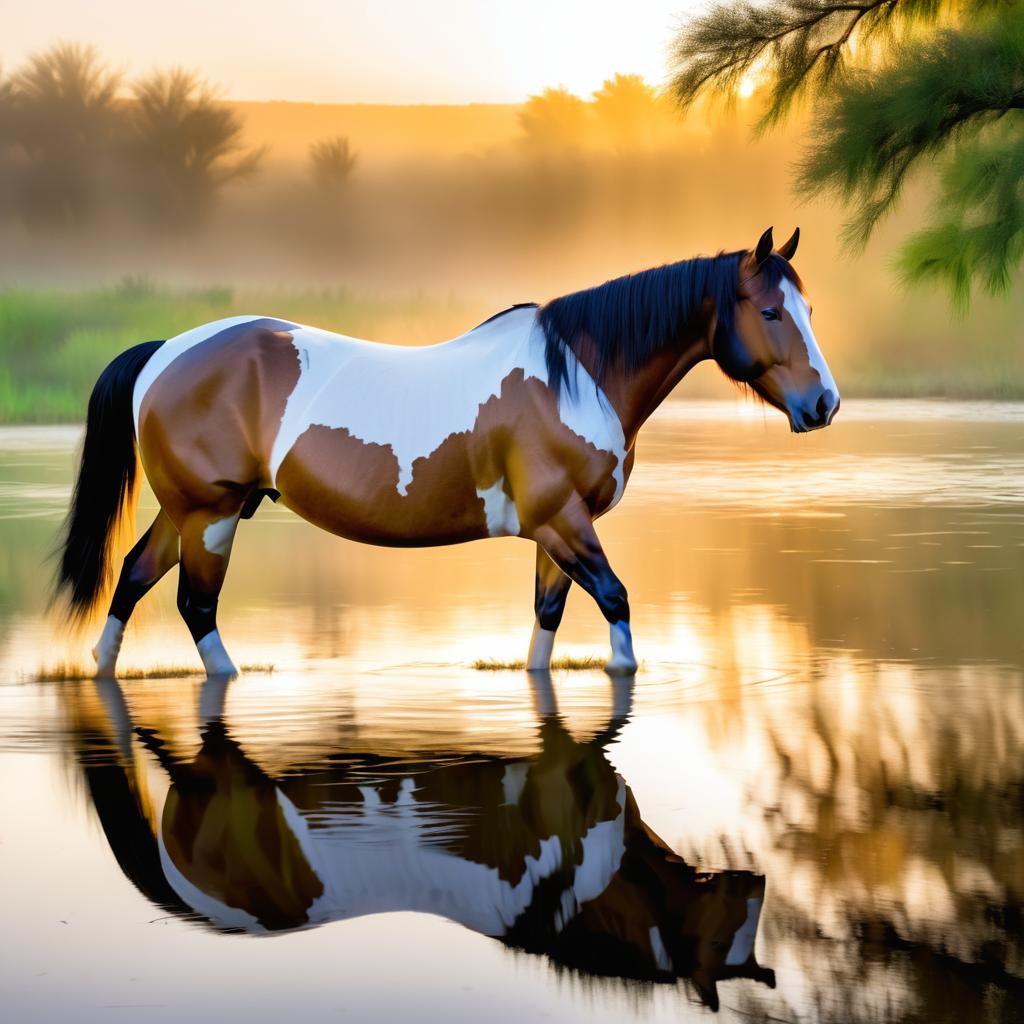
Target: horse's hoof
(621, 667)
(104, 669)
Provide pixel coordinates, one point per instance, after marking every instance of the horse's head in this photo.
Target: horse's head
(771, 346)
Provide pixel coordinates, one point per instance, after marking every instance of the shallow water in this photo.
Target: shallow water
(808, 805)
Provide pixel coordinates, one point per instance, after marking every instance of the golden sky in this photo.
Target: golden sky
(388, 51)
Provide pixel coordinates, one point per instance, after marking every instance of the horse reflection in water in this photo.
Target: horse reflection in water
(547, 853)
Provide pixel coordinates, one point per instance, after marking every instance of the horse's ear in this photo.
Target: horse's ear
(788, 249)
(764, 248)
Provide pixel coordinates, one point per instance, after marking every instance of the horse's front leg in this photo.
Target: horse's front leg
(551, 590)
(572, 543)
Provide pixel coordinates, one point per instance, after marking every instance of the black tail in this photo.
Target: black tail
(106, 483)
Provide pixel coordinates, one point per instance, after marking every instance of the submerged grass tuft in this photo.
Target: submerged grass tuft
(70, 673)
(569, 663)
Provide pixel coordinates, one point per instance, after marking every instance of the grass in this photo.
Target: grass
(54, 343)
(69, 673)
(570, 663)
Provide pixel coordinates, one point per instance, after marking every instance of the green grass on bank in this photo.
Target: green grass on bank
(53, 343)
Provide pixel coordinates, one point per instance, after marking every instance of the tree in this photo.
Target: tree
(555, 120)
(332, 162)
(186, 146)
(631, 113)
(61, 115)
(896, 86)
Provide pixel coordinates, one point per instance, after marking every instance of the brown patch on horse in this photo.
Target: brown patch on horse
(208, 422)
(350, 487)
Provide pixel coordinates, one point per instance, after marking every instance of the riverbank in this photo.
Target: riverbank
(54, 343)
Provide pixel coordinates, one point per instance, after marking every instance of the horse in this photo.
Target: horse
(525, 426)
(547, 853)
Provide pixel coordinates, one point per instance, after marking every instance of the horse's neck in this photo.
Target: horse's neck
(635, 397)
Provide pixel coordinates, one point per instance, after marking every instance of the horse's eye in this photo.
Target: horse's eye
(771, 313)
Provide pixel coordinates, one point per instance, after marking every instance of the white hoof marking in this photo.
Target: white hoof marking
(215, 658)
(623, 661)
(108, 647)
(541, 645)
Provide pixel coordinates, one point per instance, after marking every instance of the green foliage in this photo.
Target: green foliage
(980, 217)
(53, 344)
(804, 45)
(899, 85)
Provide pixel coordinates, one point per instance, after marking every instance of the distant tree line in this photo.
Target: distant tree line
(75, 136)
(80, 143)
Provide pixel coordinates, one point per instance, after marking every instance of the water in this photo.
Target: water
(825, 742)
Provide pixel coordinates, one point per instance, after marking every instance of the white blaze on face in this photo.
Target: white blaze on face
(798, 309)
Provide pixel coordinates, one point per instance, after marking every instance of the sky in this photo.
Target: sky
(374, 51)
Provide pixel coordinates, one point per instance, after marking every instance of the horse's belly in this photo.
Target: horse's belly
(351, 488)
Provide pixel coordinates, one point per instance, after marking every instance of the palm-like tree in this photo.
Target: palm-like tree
(61, 119)
(185, 144)
(631, 113)
(332, 162)
(555, 119)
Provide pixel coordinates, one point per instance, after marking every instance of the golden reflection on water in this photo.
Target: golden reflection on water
(831, 698)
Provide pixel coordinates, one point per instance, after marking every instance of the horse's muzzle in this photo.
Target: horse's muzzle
(805, 418)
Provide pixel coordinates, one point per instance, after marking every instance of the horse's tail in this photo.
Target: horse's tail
(106, 485)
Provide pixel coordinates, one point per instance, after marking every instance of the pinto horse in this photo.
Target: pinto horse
(523, 427)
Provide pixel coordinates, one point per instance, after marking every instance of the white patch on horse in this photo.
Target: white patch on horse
(661, 957)
(513, 781)
(219, 535)
(801, 314)
(379, 856)
(499, 510)
(743, 941)
(412, 398)
(602, 850)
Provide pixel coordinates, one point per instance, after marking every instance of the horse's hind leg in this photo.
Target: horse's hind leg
(571, 540)
(552, 588)
(146, 563)
(206, 539)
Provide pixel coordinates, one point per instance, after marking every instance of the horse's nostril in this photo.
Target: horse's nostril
(817, 418)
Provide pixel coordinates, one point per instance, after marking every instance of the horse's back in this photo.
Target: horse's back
(404, 445)
(408, 398)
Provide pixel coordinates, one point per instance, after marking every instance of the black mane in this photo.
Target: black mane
(631, 318)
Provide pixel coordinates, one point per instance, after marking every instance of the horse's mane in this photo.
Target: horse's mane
(631, 318)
